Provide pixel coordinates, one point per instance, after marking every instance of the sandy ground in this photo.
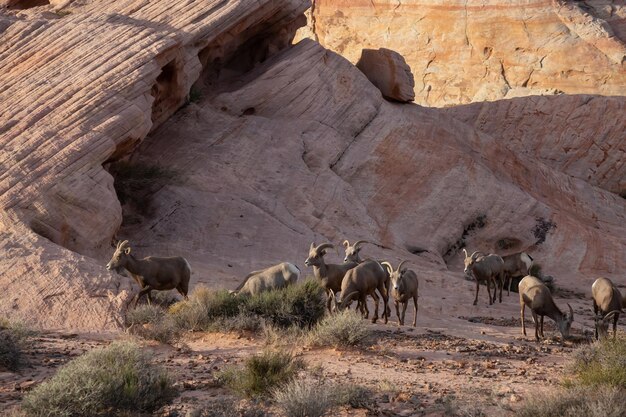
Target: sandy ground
(476, 362)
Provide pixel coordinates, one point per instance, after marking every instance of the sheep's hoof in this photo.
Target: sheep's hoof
(474, 302)
(374, 319)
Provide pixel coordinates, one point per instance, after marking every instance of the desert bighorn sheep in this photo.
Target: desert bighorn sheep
(270, 278)
(486, 268)
(404, 286)
(516, 265)
(152, 273)
(607, 304)
(352, 251)
(534, 294)
(329, 275)
(359, 282)
(352, 255)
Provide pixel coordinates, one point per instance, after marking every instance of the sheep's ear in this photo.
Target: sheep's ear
(127, 251)
(345, 244)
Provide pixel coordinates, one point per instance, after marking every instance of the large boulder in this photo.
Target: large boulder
(389, 72)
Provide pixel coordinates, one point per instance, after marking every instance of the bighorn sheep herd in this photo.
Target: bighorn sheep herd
(355, 279)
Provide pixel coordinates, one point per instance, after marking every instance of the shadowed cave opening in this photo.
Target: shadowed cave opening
(27, 4)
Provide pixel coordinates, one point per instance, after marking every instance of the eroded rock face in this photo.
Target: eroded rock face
(462, 52)
(83, 87)
(389, 72)
(286, 145)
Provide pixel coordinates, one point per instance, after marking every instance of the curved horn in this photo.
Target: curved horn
(359, 242)
(465, 252)
(347, 299)
(611, 314)
(401, 263)
(324, 246)
(312, 246)
(571, 311)
(346, 243)
(475, 254)
(122, 244)
(388, 266)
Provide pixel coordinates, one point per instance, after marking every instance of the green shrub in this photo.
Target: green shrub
(153, 323)
(299, 305)
(262, 373)
(304, 398)
(601, 363)
(105, 381)
(302, 305)
(343, 329)
(13, 340)
(205, 307)
(577, 402)
(135, 182)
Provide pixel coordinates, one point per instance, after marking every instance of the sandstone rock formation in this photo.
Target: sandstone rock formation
(285, 145)
(389, 72)
(84, 87)
(462, 52)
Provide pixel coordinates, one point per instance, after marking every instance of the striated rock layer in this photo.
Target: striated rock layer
(462, 52)
(81, 87)
(278, 146)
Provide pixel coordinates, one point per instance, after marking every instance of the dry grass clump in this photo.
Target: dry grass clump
(300, 305)
(109, 381)
(601, 363)
(262, 373)
(304, 398)
(343, 329)
(153, 323)
(356, 396)
(577, 402)
(13, 340)
(227, 408)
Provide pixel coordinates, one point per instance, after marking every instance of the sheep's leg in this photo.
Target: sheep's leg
(183, 290)
(501, 281)
(145, 290)
(149, 294)
(541, 318)
(405, 304)
(536, 320)
(523, 308)
(595, 313)
(510, 278)
(489, 292)
(415, 316)
(476, 297)
(364, 308)
(615, 318)
(398, 312)
(328, 301)
(382, 289)
(376, 300)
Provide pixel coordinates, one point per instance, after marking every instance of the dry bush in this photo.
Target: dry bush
(343, 329)
(304, 398)
(262, 373)
(356, 396)
(601, 363)
(153, 323)
(300, 305)
(14, 338)
(577, 402)
(109, 381)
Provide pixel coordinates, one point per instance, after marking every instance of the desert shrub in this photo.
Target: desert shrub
(13, 340)
(356, 396)
(227, 408)
(151, 322)
(601, 363)
(205, 307)
(304, 398)
(262, 373)
(343, 329)
(302, 305)
(576, 402)
(108, 381)
(136, 181)
(299, 305)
